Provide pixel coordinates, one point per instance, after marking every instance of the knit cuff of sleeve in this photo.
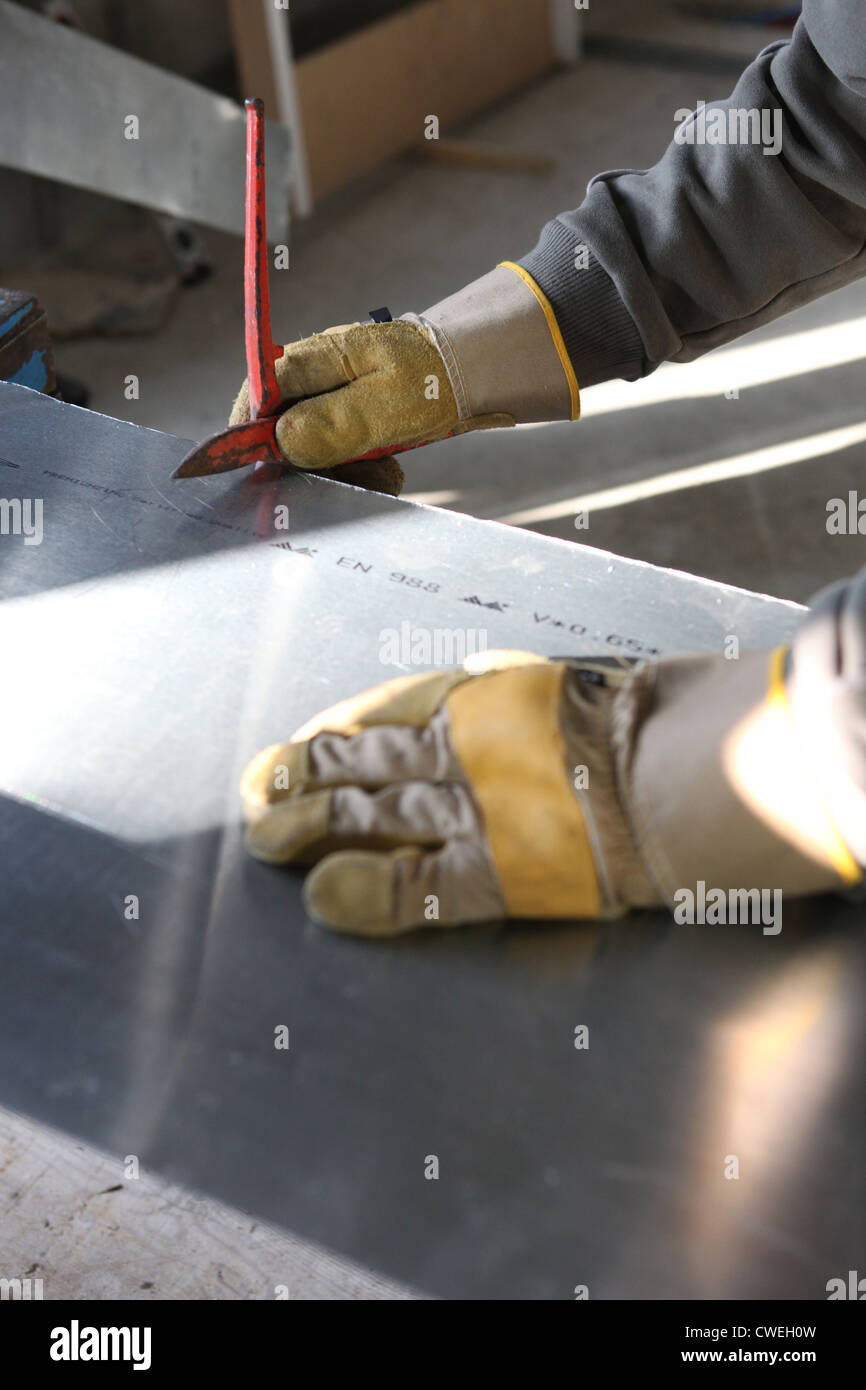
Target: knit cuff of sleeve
(598, 331)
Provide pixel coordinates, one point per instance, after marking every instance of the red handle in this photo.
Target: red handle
(258, 339)
(388, 449)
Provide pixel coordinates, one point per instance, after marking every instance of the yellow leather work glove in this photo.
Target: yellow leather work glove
(489, 356)
(551, 789)
(453, 797)
(360, 387)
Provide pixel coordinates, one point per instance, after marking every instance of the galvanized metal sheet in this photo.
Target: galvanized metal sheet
(159, 635)
(66, 103)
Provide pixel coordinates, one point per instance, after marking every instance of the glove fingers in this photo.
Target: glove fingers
(370, 413)
(372, 758)
(370, 894)
(408, 700)
(314, 364)
(405, 700)
(358, 388)
(381, 755)
(302, 829)
(324, 361)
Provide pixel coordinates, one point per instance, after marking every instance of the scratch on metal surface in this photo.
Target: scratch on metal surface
(168, 500)
(111, 530)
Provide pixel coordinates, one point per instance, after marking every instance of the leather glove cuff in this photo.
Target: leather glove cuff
(502, 349)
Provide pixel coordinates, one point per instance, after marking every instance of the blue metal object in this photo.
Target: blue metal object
(25, 346)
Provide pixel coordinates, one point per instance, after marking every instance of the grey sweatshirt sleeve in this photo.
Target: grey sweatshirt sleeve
(826, 682)
(718, 238)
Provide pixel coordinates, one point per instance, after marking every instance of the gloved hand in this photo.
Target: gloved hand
(447, 798)
(545, 789)
(489, 356)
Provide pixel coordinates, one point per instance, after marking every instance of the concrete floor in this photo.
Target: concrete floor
(80, 1227)
(415, 232)
(406, 237)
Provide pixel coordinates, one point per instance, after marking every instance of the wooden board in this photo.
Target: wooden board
(365, 98)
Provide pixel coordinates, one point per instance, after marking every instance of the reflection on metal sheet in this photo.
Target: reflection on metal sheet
(66, 104)
(159, 636)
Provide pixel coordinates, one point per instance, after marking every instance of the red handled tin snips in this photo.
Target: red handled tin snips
(254, 441)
